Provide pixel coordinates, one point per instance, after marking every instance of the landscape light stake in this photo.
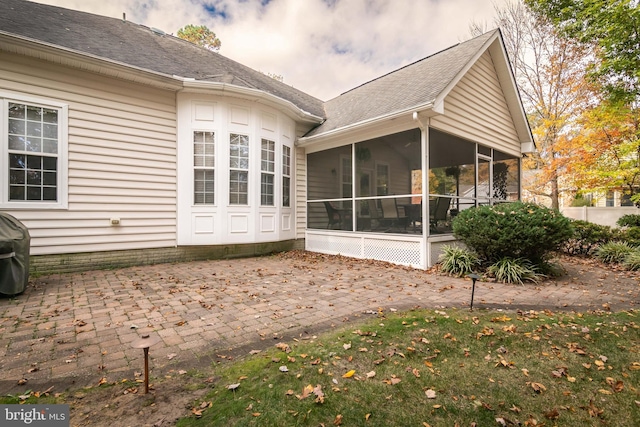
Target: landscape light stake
(473, 277)
(144, 342)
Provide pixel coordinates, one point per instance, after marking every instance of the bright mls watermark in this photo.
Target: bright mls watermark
(34, 415)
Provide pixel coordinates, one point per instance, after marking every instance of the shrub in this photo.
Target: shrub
(514, 270)
(630, 220)
(614, 252)
(457, 261)
(631, 235)
(587, 237)
(512, 230)
(632, 260)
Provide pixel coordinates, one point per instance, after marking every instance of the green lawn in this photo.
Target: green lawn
(440, 368)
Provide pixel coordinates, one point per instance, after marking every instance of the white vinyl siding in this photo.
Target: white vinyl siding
(121, 160)
(477, 110)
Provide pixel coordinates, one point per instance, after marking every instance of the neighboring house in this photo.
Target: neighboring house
(123, 145)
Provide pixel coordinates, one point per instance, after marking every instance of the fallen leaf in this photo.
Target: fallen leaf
(233, 386)
(283, 368)
(537, 387)
(284, 347)
(431, 394)
(338, 420)
(349, 374)
(371, 374)
(552, 414)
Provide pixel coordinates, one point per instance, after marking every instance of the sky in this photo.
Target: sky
(322, 47)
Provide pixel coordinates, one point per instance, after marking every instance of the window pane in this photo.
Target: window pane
(286, 160)
(16, 143)
(34, 144)
(286, 188)
(49, 194)
(17, 161)
(34, 113)
(49, 178)
(34, 129)
(49, 116)
(50, 146)
(16, 111)
(17, 176)
(17, 193)
(50, 131)
(204, 184)
(238, 187)
(17, 127)
(32, 177)
(49, 163)
(266, 189)
(34, 193)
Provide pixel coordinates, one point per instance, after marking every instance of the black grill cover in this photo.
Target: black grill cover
(15, 243)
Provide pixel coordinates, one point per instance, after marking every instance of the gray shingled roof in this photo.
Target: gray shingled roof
(411, 86)
(138, 46)
(141, 47)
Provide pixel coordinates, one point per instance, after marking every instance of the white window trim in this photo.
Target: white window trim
(63, 159)
(214, 168)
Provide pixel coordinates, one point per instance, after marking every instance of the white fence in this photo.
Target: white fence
(603, 216)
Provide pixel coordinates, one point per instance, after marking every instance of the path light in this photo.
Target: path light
(473, 277)
(144, 342)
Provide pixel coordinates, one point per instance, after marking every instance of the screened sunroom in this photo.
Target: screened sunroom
(382, 198)
(399, 157)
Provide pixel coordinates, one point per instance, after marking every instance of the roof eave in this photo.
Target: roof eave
(69, 57)
(93, 63)
(427, 109)
(251, 94)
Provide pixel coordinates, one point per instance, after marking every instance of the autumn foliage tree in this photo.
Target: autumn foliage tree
(613, 26)
(201, 36)
(550, 73)
(606, 153)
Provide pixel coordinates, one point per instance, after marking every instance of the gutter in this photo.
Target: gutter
(433, 108)
(89, 62)
(192, 85)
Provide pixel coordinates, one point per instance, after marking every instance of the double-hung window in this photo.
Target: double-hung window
(286, 176)
(33, 141)
(238, 169)
(267, 168)
(203, 168)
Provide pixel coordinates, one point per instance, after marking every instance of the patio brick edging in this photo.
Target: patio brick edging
(78, 262)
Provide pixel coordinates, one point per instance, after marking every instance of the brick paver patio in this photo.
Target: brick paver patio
(74, 329)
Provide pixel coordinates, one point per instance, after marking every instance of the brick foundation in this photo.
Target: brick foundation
(69, 263)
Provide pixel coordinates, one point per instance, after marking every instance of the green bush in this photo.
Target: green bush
(630, 220)
(614, 252)
(512, 230)
(587, 237)
(457, 261)
(630, 235)
(632, 260)
(514, 270)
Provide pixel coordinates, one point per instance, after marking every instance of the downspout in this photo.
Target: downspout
(424, 146)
